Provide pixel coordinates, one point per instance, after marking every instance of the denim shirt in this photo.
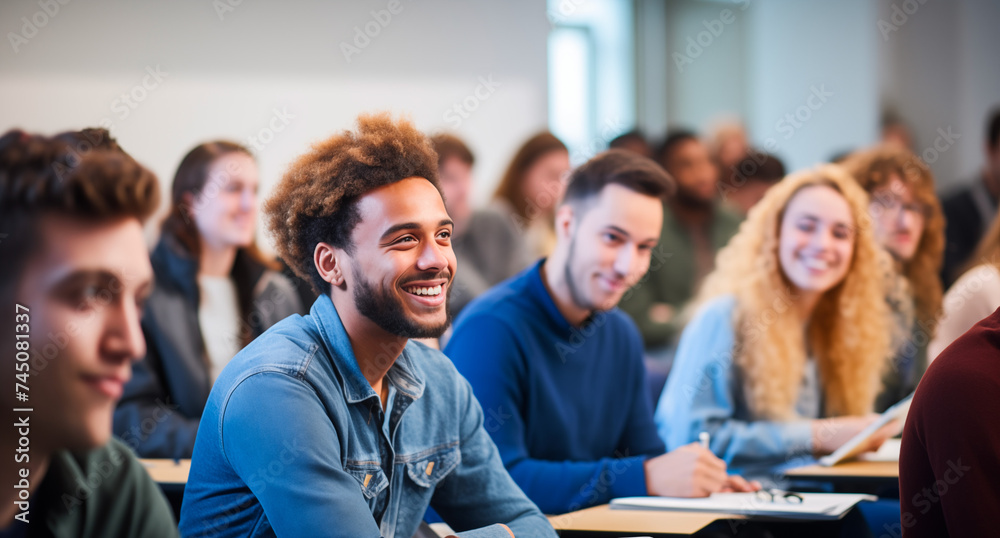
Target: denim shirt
(293, 442)
(705, 393)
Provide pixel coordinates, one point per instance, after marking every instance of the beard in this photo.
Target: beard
(386, 310)
(688, 198)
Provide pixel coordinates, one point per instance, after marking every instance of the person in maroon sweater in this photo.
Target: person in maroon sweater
(949, 463)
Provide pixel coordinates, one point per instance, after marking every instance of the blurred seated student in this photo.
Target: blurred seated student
(336, 423)
(215, 292)
(909, 225)
(560, 369)
(74, 277)
(633, 141)
(744, 184)
(728, 144)
(695, 227)
(896, 132)
(970, 209)
(949, 462)
(783, 357)
(975, 295)
(485, 242)
(531, 187)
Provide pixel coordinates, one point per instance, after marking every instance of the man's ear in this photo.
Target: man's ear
(329, 262)
(565, 221)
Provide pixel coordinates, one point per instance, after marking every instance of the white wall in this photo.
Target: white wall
(225, 76)
(941, 72)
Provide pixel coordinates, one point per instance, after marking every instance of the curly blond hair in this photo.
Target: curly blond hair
(874, 169)
(849, 330)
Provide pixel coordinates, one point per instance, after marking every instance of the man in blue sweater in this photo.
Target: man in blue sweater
(558, 369)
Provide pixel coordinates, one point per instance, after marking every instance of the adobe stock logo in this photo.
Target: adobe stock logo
(464, 108)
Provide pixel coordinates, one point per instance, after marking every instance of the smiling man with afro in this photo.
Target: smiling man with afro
(336, 422)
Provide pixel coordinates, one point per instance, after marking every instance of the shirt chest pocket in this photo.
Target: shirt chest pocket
(370, 477)
(428, 468)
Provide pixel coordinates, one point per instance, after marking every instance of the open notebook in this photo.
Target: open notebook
(814, 506)
(853, 446)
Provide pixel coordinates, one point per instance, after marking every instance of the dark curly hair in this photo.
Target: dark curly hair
(61, 174)
(316, 200)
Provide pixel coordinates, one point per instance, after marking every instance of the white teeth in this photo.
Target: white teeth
(432, 291)
(813, 263)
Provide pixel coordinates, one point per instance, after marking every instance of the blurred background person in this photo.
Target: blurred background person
(909, 225)
(974, 296)
(744, 184)
(531, 188)
(695, 226)
(895, 131)
(485, 242)
(970, 209)
(728, 144)
(215, 292)
(783, 358)
(633, 141)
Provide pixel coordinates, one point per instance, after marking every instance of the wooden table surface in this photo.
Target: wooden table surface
(166, 471)
(604, 519)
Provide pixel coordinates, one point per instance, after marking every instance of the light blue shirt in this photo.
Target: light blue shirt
(705, 392)
(293, 442)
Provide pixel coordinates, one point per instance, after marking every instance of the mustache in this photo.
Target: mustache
(429, 275)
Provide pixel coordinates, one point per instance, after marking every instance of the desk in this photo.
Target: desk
(167, 471)
(602, 518)
(171, 476)
(880, 472)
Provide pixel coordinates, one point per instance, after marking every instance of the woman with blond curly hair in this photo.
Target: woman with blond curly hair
(782, 358)
(908, 223)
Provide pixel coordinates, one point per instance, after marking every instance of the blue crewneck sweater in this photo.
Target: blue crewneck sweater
(567, 406)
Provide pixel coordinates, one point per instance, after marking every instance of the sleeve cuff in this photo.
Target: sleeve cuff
(630, 477)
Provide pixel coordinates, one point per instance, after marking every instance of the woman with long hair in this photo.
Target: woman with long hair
(215, 292)
(908, 223)
(782, 359)
(974, 296)
(532, 187)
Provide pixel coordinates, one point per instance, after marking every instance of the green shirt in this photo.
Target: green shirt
(673, 275)
(102, 492)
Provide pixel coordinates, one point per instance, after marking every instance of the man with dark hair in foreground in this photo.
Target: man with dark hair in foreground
(73, 279)
(335, 423)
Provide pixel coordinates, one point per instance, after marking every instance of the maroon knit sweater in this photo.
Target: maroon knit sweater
(949, 464)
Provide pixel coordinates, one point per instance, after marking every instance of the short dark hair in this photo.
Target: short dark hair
(622, 140)
(40, 175)
(618, 167)
(448, 146)
(316, 200)
(674, 138)
(993, 129)
(756, 166)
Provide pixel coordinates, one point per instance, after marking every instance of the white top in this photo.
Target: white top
(975, 295)
(219, 320)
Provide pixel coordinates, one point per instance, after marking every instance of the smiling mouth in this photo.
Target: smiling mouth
(110, 386)
(425, 291)
(815, 264)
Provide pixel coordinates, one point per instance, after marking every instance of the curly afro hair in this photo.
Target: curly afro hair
(316, 200)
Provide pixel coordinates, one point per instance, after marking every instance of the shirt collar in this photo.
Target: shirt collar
(403, 373)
